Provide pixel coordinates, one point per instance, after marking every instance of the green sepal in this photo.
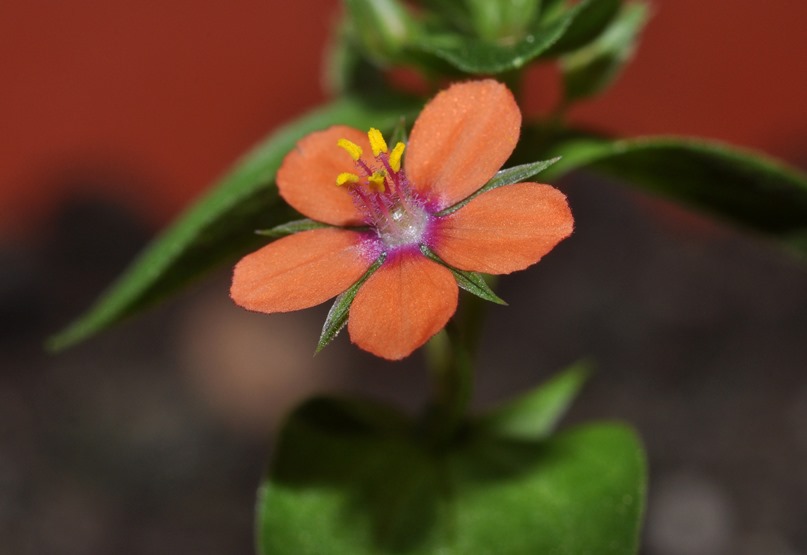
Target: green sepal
(290, 228)
(338, 314)
(590, 70)
(535, 414)
(472, 282)
(509, 176)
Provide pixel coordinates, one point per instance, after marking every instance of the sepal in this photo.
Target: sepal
(472, 282)
(338, 314)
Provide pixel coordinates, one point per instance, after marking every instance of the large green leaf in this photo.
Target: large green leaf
(571, 28)
(220, 226)
(737, 185)
(351, 478)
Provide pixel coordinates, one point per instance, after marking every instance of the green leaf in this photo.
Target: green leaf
(590, 19)
(338, 314)
(741, 186)
(289, 228)
(472, 282)
(220, 226)
(535, 414)
(590, 70)
(349, 478)
(516, 174)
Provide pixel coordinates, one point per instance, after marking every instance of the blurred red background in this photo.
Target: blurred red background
(172, 92)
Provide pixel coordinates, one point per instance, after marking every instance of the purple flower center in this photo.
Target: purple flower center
(384, 196)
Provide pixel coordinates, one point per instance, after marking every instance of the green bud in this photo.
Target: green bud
(502, 20)
(382, 27)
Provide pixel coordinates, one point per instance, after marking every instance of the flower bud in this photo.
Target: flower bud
(502, 20)
(382, 27)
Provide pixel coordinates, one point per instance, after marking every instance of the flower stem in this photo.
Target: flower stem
(451, 355)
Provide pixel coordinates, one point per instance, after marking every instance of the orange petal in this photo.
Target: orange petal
(299, 271)
(504, 230)
(403, 304)
(307, 177)
(461, 139)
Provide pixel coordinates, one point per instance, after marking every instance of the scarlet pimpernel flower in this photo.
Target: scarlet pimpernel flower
(397, 231)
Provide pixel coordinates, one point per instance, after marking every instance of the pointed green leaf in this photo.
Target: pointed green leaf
(472, 282)
(348, 478)
(590, 70)
(741, 186)
(535, 414)
(338, 314)
(509, 176)
(220, 226)
(289, 228)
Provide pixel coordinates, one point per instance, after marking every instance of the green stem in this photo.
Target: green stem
(451, 355)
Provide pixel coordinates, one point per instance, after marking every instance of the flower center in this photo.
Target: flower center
(382, 192)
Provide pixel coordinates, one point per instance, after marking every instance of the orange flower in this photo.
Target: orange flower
(385, 208)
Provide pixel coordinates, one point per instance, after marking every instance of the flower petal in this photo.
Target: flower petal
(403, 304)
(307, 177)
(504, 230)
(299, 271)
(461, 138)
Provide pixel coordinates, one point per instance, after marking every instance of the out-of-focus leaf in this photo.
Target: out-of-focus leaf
(535, 414)
(347, 72)
(382, 27)
(348, 478)
(741, 186)
(590, 70)
(472, 55)
(591, 18)
(220, 226)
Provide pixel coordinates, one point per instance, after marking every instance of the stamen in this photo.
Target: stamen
(395, 157)
(352, 148)
(377, 141)
(378, 180)
(346, 177)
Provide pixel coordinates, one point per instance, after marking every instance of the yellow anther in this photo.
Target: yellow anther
(395, 157)
(352, 148)
(378, 181)
(346, 177)
(377, 141)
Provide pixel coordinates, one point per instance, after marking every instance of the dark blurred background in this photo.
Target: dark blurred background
(152, 437)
